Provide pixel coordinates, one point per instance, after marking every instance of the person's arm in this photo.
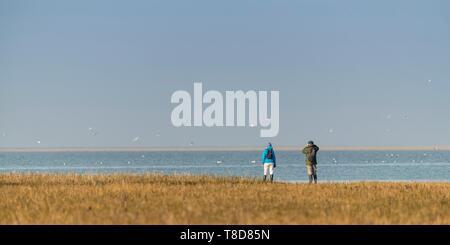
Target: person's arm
(274, 159)
(316, 149)
(305, 150)
(264, 155)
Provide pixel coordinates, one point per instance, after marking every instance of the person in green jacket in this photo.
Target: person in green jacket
(310, 152)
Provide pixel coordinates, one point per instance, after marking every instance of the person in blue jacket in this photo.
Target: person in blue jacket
(269, 162)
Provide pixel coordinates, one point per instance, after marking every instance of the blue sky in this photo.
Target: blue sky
(348, 72)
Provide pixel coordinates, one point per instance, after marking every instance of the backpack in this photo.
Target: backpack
(270, 154)
(312, 155)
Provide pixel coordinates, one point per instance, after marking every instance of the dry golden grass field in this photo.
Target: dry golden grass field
(176, 199)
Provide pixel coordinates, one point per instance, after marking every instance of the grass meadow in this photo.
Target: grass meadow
(184, 199)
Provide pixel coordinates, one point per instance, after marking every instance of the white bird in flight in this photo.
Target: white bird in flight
(92, 131)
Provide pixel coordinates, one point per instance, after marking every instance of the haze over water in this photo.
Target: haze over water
(101, 73)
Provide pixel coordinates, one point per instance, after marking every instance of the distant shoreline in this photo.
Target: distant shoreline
(212, 149)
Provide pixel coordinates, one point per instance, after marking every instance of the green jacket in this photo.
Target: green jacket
(311, 154)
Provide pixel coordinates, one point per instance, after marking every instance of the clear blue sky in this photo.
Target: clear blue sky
(348, 72)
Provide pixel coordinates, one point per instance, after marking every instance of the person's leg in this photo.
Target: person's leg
(315, 174)
(309, 172)
(271, 172)
(266, 168)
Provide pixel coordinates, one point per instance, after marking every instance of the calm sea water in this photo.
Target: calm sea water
(333, 165)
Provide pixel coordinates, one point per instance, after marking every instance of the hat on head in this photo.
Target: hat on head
(310, 142)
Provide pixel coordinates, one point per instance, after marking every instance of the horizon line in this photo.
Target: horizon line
(222, 148)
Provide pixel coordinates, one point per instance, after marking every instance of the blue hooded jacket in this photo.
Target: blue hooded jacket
(264, 156)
